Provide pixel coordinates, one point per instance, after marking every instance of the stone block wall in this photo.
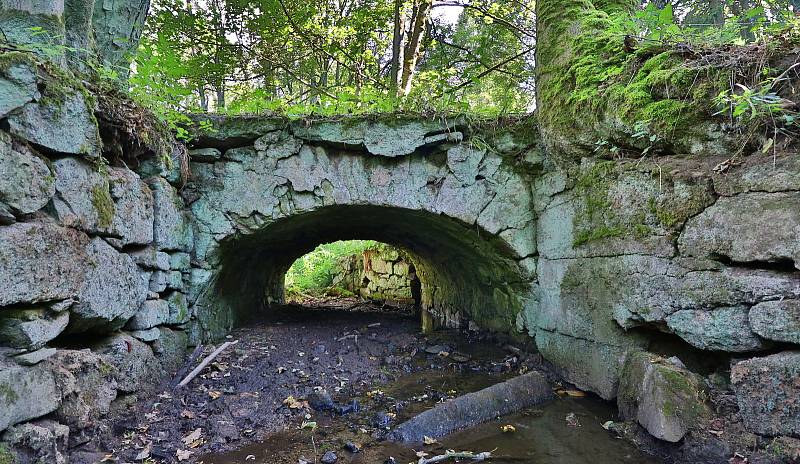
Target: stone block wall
(94, 260)
(379, 274)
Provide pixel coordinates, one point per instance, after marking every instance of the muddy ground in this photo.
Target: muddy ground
(335, 376)
(262, 385)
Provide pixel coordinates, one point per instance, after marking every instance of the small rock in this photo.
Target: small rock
(34, 357)
(149, 335)
(390, 460)
(329, 458)
(381, 419)
(460, 357)
(352, 447)
(320, 401)
(436, 349)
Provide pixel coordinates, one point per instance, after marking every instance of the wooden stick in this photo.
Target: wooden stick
(205, 362)
(185, 368)
(452, 454)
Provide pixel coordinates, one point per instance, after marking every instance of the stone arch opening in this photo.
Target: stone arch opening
(466, 273)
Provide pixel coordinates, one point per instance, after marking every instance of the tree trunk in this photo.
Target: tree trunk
(220, 88)
(396, 41)
(413, 47)
(203, 99)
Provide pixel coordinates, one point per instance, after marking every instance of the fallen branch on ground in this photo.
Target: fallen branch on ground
(205, 363)
(457, 455)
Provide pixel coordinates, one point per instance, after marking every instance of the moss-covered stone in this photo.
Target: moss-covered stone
(663, 397)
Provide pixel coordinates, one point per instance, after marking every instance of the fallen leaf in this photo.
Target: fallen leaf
(421, 454)
(192, 436)
(186, 414)
(308, 425)
(292, 403)
(183, 455)
(607, 425)
(428, 440)
(214, 394)
(508, 428)
(572, 420)
(576, 393)
(145, 453)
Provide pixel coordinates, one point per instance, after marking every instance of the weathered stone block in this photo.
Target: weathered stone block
(42, 441)
(722, 329)
(83, 199)
(133, 208)
(734, 227)
(112, 290)
(30, 329)
(88, 384)
(170, 349)
(589, 365)
(150, 314)
(665, 399)
(17, 82)
(768, 393)
(205, 154)
(26, 393)
(136, 366)
(178, 309)
(158, 281)
(172, 229)
(777, 320)
(26, 183)
(63, 124)
(41, 262)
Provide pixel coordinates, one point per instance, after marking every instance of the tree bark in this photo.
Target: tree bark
(413, 47)
(396, 42)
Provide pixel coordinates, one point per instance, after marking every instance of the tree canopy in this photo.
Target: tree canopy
(354, 56)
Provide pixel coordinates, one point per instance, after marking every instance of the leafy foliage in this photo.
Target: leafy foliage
(314, 271)
(335, 57)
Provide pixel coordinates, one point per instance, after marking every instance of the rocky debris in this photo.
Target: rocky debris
(61, 124)
(473, 408)
(43, 441)
(329, 458)
(135, 364)
(26, 183)
(734, 228)
(722, 329)
(320, 401)
(768, 393)
(666, 399)
(26, 392)
(777, 320)
(172, 230)
(30, 329)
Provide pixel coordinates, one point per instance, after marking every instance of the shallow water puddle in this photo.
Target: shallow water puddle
(542, 436)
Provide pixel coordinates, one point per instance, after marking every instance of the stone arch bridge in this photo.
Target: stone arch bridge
(602, 263)
(261, 199)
